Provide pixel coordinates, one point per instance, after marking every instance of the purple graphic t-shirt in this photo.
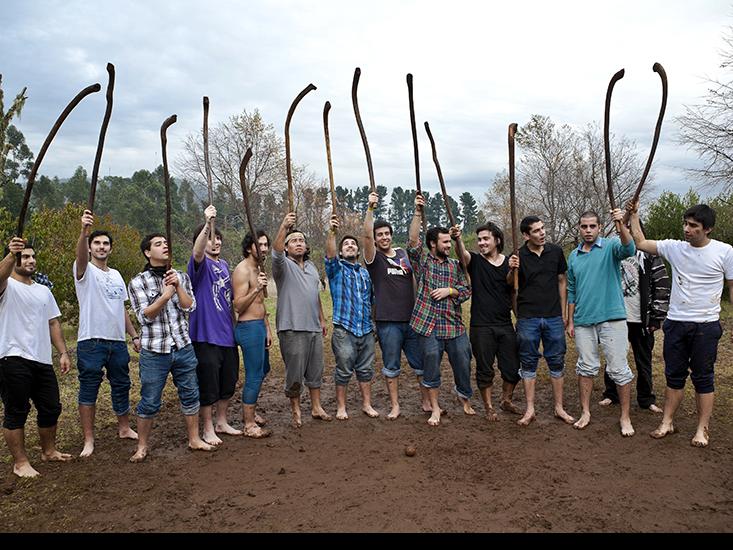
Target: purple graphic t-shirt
(211, 321)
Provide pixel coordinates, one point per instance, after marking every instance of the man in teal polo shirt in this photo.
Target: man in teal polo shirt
(596, 312)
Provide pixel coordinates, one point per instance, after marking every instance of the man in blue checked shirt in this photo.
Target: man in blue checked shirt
(353, 340)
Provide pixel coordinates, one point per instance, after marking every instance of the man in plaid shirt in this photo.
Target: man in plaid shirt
(161, 299)
(353, 337)
(441, 289)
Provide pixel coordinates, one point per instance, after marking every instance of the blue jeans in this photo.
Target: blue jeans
(459, 355)
(394, 338)
(92, 356)
(154, 369)
(551, 332)
(251, 337)
(352, 353)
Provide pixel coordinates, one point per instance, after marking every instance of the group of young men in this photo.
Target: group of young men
(609, 292)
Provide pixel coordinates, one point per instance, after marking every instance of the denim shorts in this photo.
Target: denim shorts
(154, 369)
(92, 356)
(459, 356)
(394, 338)
(352, 353)
(550, 331)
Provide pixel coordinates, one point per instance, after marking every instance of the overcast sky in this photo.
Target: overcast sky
(477, 67)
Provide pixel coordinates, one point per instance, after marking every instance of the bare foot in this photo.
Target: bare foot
(564, 416)
(394, 413)
(467, 408)
(370, 412)
(627, 430)
(701, 439)
(259, 420)
(227, 429)
(605, 402)
(87, 450)
(200, 445)
(255, 432)
(508, 406)
(55, 456)
(434, 419)
(583, 422)
(211, 438)
(341, 414)
(426, 406)
(527, 419)
(656, 410)
(663, 431)
(139, 455)
(321, 415)
(25, 470)
(127, 433)
(491, 414)
(297, 422)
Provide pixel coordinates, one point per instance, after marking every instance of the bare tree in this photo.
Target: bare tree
(708, 128)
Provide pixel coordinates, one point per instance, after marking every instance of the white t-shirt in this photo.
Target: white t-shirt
(25, 311)
(698, 276)
(102, 296)
(630, 286)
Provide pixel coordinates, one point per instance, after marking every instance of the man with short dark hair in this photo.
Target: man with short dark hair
(700, 268)
(162, 298)
(394, 298)
(437, 318)
(252, 332)
(212, 330)
(301, 326)
(492, 333)
(596, 312)
(540, 313)
(352, 340)
(103, 322)
(29, 324)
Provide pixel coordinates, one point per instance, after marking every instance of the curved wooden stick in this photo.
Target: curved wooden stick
(248, 211)
(301, 95)
(513, 198)
(607, 140)
(166, 178)
(415, 149)
(102, 135)
(657, 68)
(37, 164)
(355, 101)
(207, 167)
(326, 109)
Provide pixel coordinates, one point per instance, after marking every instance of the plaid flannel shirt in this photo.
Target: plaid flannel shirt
(441, 317)
(170, 327)
(351, 292)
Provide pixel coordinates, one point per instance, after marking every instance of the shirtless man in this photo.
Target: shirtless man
(253, 328)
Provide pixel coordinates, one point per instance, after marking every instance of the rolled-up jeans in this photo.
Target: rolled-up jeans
(459, 356)
(612, 338)
(92, 357)
(154, 369)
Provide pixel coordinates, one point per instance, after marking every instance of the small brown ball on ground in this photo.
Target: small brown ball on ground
(410, 450)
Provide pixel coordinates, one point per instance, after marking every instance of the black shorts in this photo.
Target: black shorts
(217, 371)
(23, 380)
(691, 349)
(498, 343)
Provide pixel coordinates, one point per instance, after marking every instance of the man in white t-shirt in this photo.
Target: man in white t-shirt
(29, 323)
(103, 322)
(700, 266)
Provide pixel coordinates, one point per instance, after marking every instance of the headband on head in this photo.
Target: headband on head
(293, 235)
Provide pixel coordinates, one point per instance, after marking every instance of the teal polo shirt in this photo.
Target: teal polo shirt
(594, 281)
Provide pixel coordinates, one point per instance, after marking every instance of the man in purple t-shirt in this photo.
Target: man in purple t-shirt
(212, 330)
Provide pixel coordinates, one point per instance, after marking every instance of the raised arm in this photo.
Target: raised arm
(461, 252)
(368, 237)
(199, 246)
(82, 245)
(333, 223)
(642, 243)
(414, 233)
(16, 246)
(287, 223)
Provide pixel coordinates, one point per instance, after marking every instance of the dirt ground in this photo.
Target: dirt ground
(468, 474)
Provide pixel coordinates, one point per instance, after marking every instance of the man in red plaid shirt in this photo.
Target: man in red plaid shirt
(441, 289)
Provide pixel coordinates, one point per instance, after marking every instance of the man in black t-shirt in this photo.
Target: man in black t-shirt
(492, 333)
(541, 313)
(394, 293)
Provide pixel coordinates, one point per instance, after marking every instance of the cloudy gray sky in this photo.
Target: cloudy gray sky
(477, 66)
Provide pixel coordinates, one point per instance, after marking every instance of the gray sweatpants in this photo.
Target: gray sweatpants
(303, 357)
